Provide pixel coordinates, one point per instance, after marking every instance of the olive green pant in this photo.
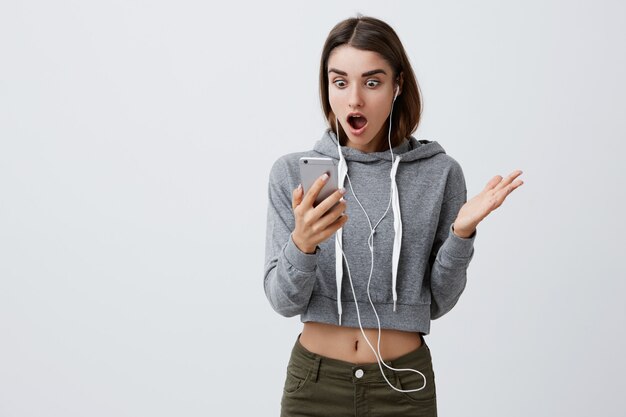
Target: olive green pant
(316, 385)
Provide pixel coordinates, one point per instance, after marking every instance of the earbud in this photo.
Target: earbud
(397, 91)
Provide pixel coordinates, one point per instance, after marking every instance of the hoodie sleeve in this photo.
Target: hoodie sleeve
(290, 274)
(451, 254)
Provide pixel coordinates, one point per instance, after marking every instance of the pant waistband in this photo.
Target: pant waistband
(301, 357)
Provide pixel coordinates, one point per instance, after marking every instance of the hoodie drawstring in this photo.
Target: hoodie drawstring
(397, 226)
(342, 171)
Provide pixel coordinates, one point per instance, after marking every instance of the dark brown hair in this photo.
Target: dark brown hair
(371, 34)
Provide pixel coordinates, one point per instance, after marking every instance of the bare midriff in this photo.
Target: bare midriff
(347, 343)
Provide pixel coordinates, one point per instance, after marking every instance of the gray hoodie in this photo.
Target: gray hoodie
(419, 264)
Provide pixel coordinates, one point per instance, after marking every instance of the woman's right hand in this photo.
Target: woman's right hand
(316, 224)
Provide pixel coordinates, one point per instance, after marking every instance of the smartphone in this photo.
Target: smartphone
(311, 168)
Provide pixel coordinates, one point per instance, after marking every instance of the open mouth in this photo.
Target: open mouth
(357, 122)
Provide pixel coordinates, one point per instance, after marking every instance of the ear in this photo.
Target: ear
(400, 82)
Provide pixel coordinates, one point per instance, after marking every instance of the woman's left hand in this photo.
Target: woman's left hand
(489, 199)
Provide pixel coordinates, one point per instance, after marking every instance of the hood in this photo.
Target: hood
(409, 150)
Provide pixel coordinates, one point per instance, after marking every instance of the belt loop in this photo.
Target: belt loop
(316, 368)
(392, 374)
(397, 382)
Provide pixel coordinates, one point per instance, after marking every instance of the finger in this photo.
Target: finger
(334, 226)
(492, 183)
(311, 194)
(331, 215)
(508, 180)
(296, 196)
(329, 202)
(503, 193)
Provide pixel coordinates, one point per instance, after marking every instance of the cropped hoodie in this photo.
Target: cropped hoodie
(419, 265)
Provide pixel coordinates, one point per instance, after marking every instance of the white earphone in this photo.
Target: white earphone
(370, 243)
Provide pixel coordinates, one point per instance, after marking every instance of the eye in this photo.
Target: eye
(336, 82)
(372, 83)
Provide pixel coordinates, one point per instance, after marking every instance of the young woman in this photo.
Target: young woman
(368, 268)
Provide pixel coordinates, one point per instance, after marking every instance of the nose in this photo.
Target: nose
(355, 99)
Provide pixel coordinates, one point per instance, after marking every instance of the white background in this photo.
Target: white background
(136, 139)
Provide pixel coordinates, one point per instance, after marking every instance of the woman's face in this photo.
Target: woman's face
(360, 82)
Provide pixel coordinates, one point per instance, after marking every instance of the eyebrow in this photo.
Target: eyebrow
(365, 74)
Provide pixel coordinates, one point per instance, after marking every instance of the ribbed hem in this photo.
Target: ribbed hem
(304, 262)
(410, 318)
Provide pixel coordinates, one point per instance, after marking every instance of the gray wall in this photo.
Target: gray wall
(135, 143)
